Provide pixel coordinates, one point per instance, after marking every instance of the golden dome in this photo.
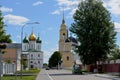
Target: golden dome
(32, 37)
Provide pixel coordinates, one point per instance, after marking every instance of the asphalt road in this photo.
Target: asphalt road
(67, 75)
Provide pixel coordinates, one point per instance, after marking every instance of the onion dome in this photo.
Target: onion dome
(25, 40)
(32, 37)
(38, 40)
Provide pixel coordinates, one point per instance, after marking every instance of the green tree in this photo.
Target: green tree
(95, 31)
(4, 38)
(54, 59)
(25, 64)
(115, 53)
(8, 61)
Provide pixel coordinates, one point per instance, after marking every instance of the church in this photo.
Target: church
(67, 46)
(31, 52)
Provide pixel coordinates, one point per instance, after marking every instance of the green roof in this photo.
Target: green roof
(25, 40)
(38, 40)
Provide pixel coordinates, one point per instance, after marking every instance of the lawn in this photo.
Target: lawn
(18, 77)
(31, 75)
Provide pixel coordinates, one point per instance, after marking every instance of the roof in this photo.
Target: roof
(13, 45)
(25, 40)
(32, 37)
(38, 40)
(71, 39)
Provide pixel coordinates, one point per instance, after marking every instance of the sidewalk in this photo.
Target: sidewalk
(43, 75)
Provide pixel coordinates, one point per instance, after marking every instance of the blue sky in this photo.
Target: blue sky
(49, 14)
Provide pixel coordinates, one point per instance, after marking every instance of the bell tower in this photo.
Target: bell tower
(63, 35)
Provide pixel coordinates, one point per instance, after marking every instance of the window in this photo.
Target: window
(38, 55)
(31, 62)
(67, 58)
(31, 56)
(63, 35)
(39, 62)
(25, 47)
(38, 47)
(32, 46)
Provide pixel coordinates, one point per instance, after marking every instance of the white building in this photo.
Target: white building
(32, 53)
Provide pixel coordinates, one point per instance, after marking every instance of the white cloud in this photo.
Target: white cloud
(113, 6)
(71, 5)
(68, 2)
(5, 9)
(67, 5)
(56, 12)
(37, 3)
(117, 26)
(14, 41)
(15, 20)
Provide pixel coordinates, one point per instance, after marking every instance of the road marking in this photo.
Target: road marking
(49, 76)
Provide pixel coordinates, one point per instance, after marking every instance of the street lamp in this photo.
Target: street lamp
(21, 41)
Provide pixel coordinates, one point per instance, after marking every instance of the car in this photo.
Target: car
(47, 68)
(76, 69)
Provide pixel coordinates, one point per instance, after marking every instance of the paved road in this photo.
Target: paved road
(43, 75)
(67, 75)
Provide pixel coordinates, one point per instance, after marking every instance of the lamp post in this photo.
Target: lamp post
(21, 42)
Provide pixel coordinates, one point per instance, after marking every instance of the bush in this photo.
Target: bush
(84, 70)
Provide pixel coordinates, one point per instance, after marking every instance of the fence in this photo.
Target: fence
(107, 66)
(9, 68)
(111, 66)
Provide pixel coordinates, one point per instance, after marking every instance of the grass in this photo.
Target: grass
(18, 77)
(29, 71)
(32, 75)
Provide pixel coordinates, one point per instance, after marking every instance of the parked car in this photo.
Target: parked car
(47, 68)
(76, 69)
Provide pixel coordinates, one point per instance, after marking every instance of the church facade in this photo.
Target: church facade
(31, 52)
(67, 46)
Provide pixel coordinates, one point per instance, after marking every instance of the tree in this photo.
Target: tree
(95, 31)
(25, 64)
(54, 59)
(115, 53)
(3, 37)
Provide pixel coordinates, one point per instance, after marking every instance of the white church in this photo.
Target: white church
(31, 51)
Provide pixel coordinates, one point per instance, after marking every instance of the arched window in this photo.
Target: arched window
(25, 47)
(38, 55)
(63, 35)
(38, 62)
(67, 58)
(38, 46)
(31, 56)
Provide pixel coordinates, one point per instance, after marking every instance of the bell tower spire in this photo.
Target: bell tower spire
(63, 21)
(63, 34)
